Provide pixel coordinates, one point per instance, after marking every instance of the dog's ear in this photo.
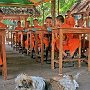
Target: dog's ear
(24, 82)
(30, 82)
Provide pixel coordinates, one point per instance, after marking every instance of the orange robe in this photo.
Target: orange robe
(2, 26)
(27, 42)
(71, 44)
(70, 21)
(16, 34)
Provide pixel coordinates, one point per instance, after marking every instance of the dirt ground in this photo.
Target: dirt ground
(18, 63)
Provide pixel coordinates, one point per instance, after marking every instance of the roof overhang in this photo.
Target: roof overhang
(82, 7)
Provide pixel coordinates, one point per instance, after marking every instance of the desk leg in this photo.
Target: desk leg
(60, 51)
(31, 42)
(42, 49)
(79, 61)
(27, 43)
(11, 39)
(17, 41)
(89, 54)
(52, 52)
(36, 47)
(4, 58)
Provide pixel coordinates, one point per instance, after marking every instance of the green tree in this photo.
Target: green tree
(46, 7)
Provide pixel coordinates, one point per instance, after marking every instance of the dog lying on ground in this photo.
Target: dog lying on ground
(25, 82)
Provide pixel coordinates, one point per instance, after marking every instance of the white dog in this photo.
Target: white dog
(25, 82)
(69, 82)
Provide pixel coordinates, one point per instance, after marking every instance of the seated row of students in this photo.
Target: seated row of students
(48, 23)
(70, 43)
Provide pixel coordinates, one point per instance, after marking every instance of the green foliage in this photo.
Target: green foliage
(46, 7)
(66, 5)
(15, 1)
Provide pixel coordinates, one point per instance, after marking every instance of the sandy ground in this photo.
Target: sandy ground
(18, 63)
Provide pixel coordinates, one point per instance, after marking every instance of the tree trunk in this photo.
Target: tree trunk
(53, 11)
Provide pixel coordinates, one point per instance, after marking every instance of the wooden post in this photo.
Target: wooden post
(89, 54)
(53, 11)
(30, 41)
(42, 48)
(58, 6)
(25, 21)
(36, 47)
(11, 39)
(60, 50)
(79, 61)
(43, 13)
(52, 52)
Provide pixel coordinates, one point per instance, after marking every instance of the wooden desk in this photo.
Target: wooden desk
(3, 52)
(70, 30)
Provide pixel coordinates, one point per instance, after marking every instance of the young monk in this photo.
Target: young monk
(1, 26)
(47, 37)
(70, 43)
(70, 19)
(27, 27)
(18, 27)
(81, 21)
(48, 24)
(36, 26)
(71, 22)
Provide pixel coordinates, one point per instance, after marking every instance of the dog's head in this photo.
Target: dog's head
(23, 82)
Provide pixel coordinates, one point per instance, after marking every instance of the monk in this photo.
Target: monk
(71, 22)
(27, 27)
(36, 26)
(18, 27)
(70, 19)
(47, 37)
(48, 24)
(81, 21)
(1, 26)
(70, 43)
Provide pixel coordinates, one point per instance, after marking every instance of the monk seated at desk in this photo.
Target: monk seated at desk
(16, 34)
(48, 23)
(26, 42)
(35, 26)
(70, 43)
